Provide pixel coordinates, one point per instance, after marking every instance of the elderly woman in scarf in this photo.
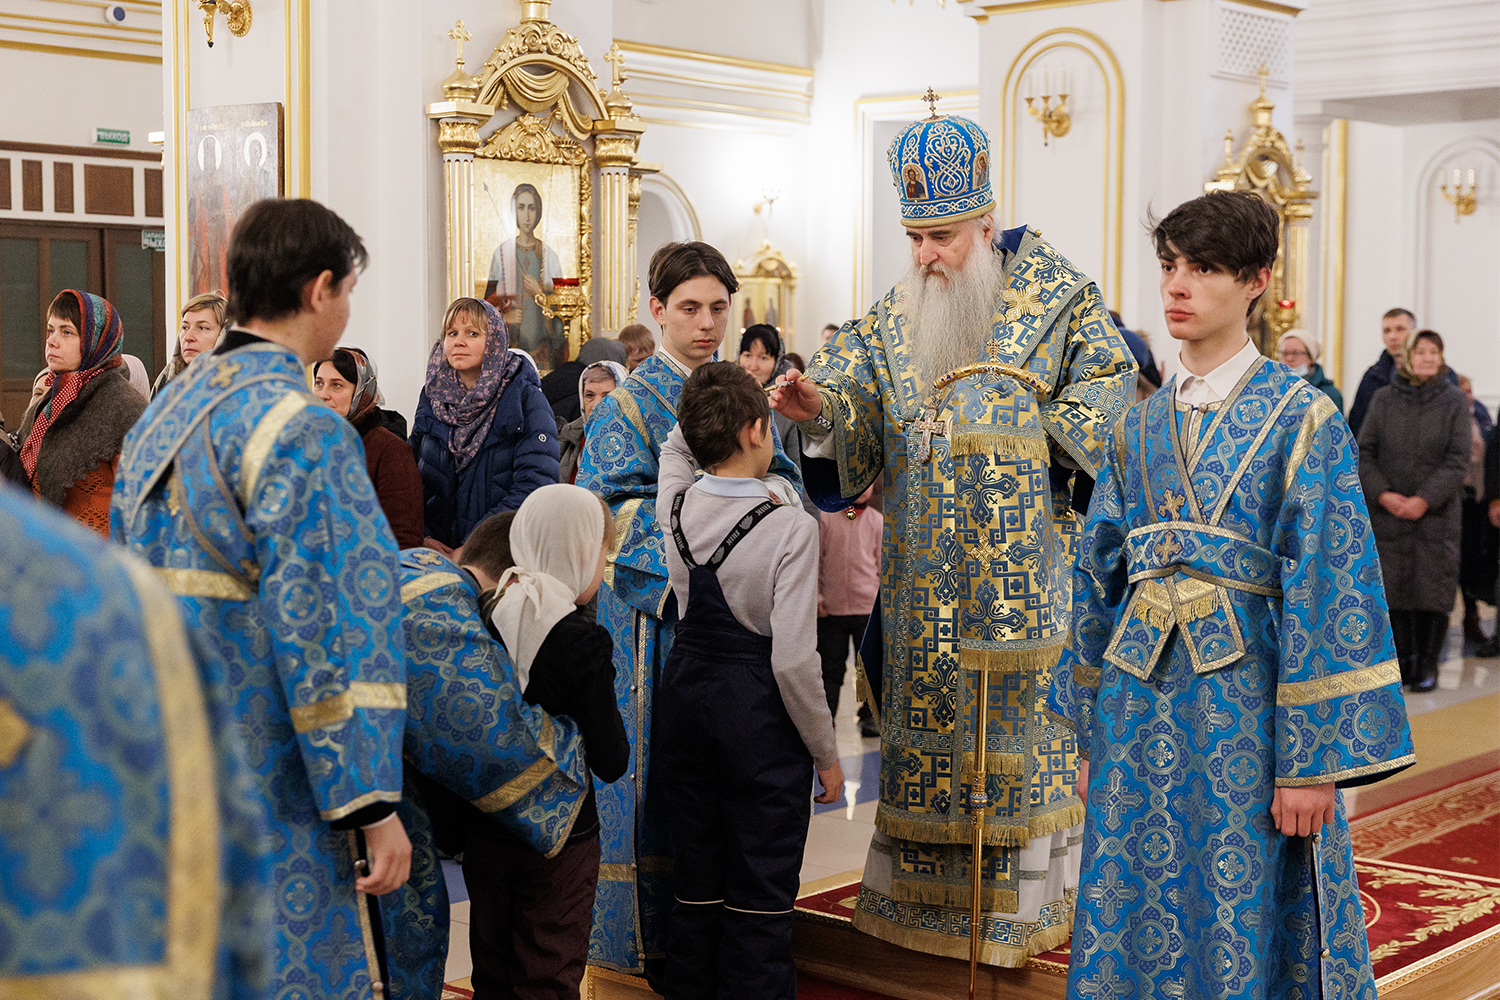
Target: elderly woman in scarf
(202, 324)
(1414, 450)
(483, 435)
(597, 381)
(70, 437)
(346, 382)
(1299, 351)
(538, 941)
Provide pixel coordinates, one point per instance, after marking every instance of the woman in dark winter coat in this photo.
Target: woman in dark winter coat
(484, 436)
(1414, 449)
(346, 382)
(70, 437)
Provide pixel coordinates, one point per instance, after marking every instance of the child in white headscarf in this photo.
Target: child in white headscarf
(564, 662)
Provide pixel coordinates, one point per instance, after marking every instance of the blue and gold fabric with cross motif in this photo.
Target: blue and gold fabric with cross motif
(1231, 638)
(975, 558)
(252, 502)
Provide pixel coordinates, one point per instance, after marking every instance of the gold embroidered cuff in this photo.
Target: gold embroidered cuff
(355, 805)
(205, 583)
(1338, 685)
(508, 793)
(426, 585)
(1307, 780)
(334, 709)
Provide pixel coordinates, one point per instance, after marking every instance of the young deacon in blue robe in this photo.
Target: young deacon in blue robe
(252, 501)
(690, 287)
(1232, 662)
(122, 873)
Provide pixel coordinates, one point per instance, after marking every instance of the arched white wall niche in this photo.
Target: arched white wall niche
(666, 215)
(1458, 260)
(1071, 187)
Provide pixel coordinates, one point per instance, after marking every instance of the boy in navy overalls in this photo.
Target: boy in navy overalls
(741, 717)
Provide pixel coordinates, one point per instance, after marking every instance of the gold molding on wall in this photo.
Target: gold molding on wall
(990, 9)
(709, 57)
(1112, 280)
(64, 50)
(299, 97)
(1336, 180)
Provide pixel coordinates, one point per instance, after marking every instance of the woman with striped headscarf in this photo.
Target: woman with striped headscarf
(70, 437)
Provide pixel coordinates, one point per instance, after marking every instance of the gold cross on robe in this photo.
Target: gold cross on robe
(927, 427)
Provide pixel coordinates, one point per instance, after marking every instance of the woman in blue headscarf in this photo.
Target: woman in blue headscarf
(484, 436)
(70, 437)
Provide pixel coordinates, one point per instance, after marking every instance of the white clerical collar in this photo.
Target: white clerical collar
(676, 365)
(732, 486)
(1215, 387)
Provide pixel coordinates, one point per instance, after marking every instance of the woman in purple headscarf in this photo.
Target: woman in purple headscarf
(70, 437)
(484, 436)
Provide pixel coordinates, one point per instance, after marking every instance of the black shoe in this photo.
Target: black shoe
(868, 729)
(1491, 646)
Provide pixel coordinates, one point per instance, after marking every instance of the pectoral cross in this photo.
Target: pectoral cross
(616, 60)
(931, 98)
(460, 34)
(225, 375)
(928, 426)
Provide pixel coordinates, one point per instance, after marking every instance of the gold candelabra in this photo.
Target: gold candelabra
(1054, 118)
(237, 15)
(1463, 202)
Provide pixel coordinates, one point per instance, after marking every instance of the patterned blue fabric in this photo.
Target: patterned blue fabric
(941, 169)
(622, 446)
(415, 917)
(253, 503)
(1231, 638)
(467, 726)
(119, 870)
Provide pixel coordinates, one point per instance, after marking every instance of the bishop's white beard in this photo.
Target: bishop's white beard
(950, 321)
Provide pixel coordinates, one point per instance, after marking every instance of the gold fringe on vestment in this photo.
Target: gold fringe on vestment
(1002, 446)
(1010, 660)
(1058, 819)
(954, 895)
(862, 689)
(936, 943)
(998, 830)
(995, 763)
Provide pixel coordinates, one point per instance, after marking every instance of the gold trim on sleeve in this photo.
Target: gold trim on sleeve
(510, 792)
(1338, 685)
(355, 805)
(205, 583)
(1312, 421)
(617, 873)
(426, 585)
(330, 711)
(1354, 772)
(14, 732)
(258, 446)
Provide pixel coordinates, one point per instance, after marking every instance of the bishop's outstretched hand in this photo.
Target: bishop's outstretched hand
(796, 397)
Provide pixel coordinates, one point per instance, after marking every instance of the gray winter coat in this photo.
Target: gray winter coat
(1415, 441)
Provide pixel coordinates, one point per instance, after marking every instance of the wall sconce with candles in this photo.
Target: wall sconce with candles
(237, 15)
(1055, 120)
(1463, 202)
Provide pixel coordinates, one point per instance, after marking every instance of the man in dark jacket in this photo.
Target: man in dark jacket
(1396, 327)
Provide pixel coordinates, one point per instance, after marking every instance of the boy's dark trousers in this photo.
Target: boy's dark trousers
(834, 635)
(736, 780)
(530, 916)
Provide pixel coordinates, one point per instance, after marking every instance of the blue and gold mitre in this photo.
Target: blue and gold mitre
(941, 167)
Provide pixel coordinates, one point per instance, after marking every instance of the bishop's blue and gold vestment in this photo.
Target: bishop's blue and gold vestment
(468, 729)
(1231, 638)
(252, 502)
(974, 576)
(619, 462)
(122, 873)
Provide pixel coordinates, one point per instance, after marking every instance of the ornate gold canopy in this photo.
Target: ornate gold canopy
(567, 132)
(768, 282)
(1270, 168)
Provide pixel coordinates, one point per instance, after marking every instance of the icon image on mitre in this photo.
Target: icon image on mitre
(916, 189)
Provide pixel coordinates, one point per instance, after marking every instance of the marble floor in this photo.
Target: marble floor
(1456, 722)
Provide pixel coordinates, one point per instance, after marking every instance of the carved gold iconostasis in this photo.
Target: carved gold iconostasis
(1268, 167)
(520, 202)
(768, 282)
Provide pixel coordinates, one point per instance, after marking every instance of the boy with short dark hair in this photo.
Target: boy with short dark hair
(741, 713)
(1232, 662)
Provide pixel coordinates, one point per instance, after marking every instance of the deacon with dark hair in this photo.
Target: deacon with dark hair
(1232, 662)
(690, 287)
(980, 391)
(253, 503)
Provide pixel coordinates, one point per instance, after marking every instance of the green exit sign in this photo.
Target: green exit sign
(112, 136)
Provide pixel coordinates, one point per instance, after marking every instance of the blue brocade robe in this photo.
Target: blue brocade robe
(121, 872)
(468, 729)
(622, 446)
(975, 563)
(252, 501)
(1231, 638)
